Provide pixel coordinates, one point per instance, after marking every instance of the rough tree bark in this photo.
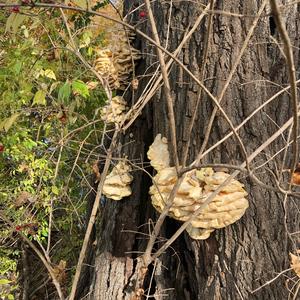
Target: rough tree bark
(235, 260)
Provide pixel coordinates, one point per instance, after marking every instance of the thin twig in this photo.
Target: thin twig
(103, 175)
(270, 281)
(203, 71)
(52, 200)
(39, 254)
(228, 80)
(245, 121)
(167, 87)
(75, 50)
(288, 50)
(143, 101)
(181, 64)
(92, 216)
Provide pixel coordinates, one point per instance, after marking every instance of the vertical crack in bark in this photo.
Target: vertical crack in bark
(131, 281)
(272, 25)
(108, 277)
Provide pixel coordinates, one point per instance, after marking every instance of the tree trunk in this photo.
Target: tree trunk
(243, 256)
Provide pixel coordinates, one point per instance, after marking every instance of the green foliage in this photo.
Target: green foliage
(64, 93)
(80, 88)
(45, 96)
(8, 271)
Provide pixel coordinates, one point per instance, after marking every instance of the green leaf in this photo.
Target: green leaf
(90, 51)
(72, 119)
(39, 98)
(85, 40)
(79, 87)
(29, 144)
(82, 3)
(4, 281)
(55, 190)
(10, 297)
(14, 21)
(8, 122)
(64, 92)
(25, 31)
(17, 67)
(50, 74)
(44, 232)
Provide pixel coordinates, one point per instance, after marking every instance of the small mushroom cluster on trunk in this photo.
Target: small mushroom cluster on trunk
(226, 207)
(117, 182)
(116, 62)
(114, 111)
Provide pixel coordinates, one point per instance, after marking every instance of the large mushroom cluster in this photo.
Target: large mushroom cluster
(117, 182)
(116, 62)
(114, 111)
(226, 207)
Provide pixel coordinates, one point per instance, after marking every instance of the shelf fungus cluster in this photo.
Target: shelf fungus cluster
(116, 62)
(227, 206)
(117, 183)
(114, 111)
(295, 262)
(105, 67)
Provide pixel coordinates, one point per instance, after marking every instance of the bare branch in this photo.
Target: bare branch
(288, 50)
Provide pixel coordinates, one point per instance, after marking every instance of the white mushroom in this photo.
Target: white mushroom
(158, 153)
(117, 183)
(114, 112)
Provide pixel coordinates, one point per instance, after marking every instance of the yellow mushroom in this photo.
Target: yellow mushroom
(117, 183)
(116, 62)
(198, 234)
(114, 112)
(158, 154)
(224, 209)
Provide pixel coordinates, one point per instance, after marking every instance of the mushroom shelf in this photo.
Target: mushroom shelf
(117, 182)
(114, 112)
(115, 63)
(227, 206)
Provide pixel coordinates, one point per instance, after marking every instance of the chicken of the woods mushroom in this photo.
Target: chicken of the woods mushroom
(117, 182)
(115, 63)
(227, 206)
(114, 112)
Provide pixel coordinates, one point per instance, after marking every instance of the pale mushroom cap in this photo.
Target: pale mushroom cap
(116, 192)
(122, 179)
(158, 153)
(114, 112)
(204, 173)
(119, 100)
(295, 263)
(214, 181)
(224, 209)
(117, 183)
(124, 56)
(199, 234)
(177, 201)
